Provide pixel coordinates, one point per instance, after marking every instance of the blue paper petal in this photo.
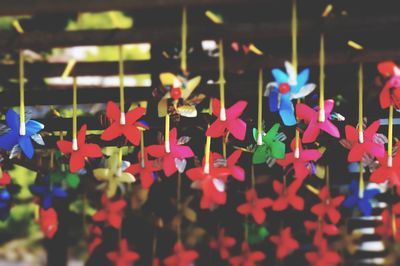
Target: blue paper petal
(286, 111)
(365, 206)
(33, 127)
(280, 76)
(9, 140)
(47, 201)
(273, 100)
(37, 189)
(302, 79)
(12, 120)
(59, 192)
(26, 146)
(350, 201)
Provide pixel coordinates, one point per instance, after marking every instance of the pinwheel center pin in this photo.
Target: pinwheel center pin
(284, 88)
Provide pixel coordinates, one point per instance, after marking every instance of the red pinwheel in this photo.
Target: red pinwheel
(5, 178)
(320, 228)
(181, 256)
(77, 159)
(145, 168)
(122, 124)
(97, 238)
(211, 180)
(287, 196)
(385, 172)
(176, 152)
(284, 242)
(223, 244)
(311, 118)
(235, 170)
(48, 222)
(324, 256)
(254, 206)
(390, 94)
(123, 257)
(248, 257)
(328, 206)
(368, 145)
(111, 213)
(302, 164)
(390, 221)
(228, 120)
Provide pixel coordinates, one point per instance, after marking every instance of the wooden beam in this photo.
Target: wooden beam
(27, 7)
(246, 32)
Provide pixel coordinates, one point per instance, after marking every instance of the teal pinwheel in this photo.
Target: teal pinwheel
(271, 148)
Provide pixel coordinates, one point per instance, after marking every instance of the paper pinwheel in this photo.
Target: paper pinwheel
(247, 257)
(5, 178)
(236, 171)
(285, 244)
(97, 237)
(302, 165)
(13, 136)
(48, 222)
(287, 196)
(272, 146)
(124, 256)
(362, 203)
(328, 206)
(113, 175)
(5, 199)
(321, 228)
(47, 192)
(228, 120)
(254, 206)
(181, 256)
(323, 256)
(77, 157)
(256, 233)
(111, 213)
(390, 94)
(123, 124)
(390, 221)
(62, 175)
(176, 151)
(212, 183)
(314, 126)
(223, 243)
(387, 173)
(287, 86)
(369, 145)
(146, 169)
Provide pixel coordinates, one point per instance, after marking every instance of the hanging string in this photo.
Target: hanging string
(260, 97)
(253, 177)
(321, 117)
(22, 130)
(360, 103)
(328, 187)
(74, 114)
(166, 139)
(121, 83)
(142, 161)
(390, 137)
(184, 41)
(221, 80)
(224, 140)
(361, 184)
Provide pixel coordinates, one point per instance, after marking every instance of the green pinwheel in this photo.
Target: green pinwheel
(271, 148)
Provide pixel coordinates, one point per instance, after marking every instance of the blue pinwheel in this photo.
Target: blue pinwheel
(47, 192)
(287, 86)
(5, 198)
(12, 137)
(363, 203)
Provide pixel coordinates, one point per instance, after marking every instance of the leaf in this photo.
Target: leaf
(38, 139)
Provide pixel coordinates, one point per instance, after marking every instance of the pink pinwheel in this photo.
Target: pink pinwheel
(228, 120)
(390, 94)
(123, 124)
(181, 256)
(211, 180)
(302, 164)
(77, 159)
(324, 256)
(223, 244)
(287, 196)
(328, 206)
(311, 118)
(247, 257)
(368, 145)
(111, 213)
(235, 170)
(285, 244)
(254, 206)
(176, 151)
(123, 257)
(145, 168)
(385, 172)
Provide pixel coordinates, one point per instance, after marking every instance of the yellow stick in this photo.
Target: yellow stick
(294, 35)
(184, 41)
(321, 117)
(142, 161)
(74, 114)
(390, 136)
(260, 96)
(360, 103)
(22, 130)
(207, 155)
(121, 84)
(221, 80)
(167, 144)
(361, 182)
